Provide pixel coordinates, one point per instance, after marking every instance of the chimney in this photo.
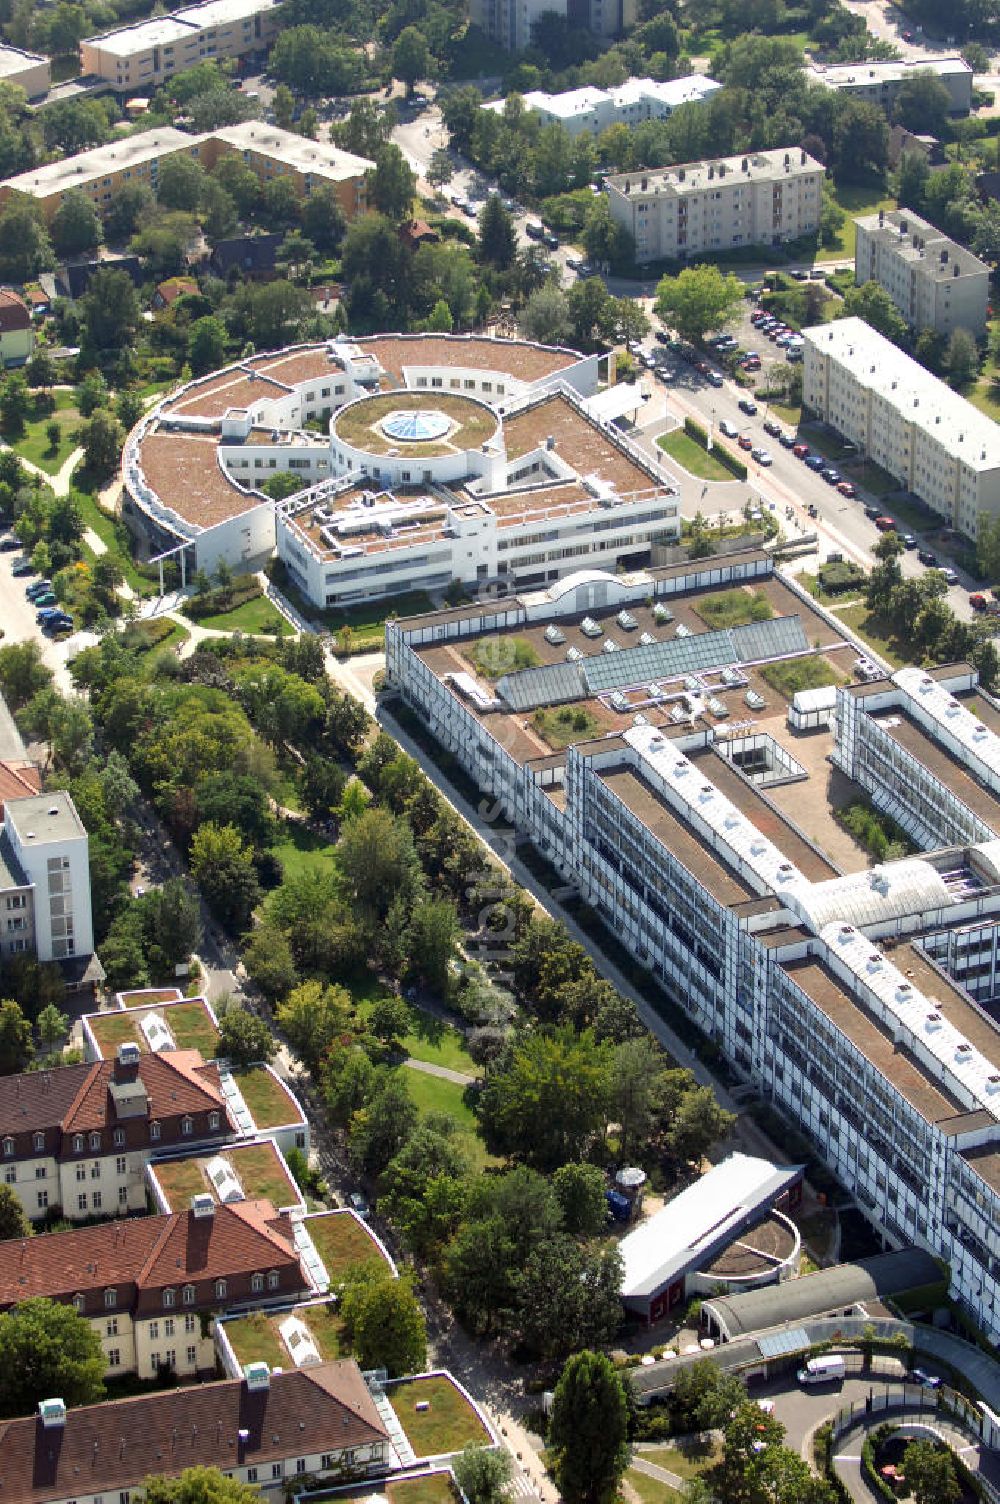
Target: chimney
(202, 1204)
(257, 1376)
(52, 1413)
(127, 1061)
(803, 158)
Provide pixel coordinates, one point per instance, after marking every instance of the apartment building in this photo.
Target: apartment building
(879, 83)
(135, 59)
(934, 282)
(17, 334)
(28, 70)
(930, 439)
(265, 1429)
(711, 852)
(129, 160)
(151, 1286)
(45, 908)
(510, 23)
(445, 457)
(105, 1120)
(592, 109)
(675, 213)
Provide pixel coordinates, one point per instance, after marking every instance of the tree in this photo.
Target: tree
(699, 1122)
(283, 105)
(389, 1019)
(987, 548)
(15, 404)
(383, 1321)
(441, 170)
(433, 934)
(323, 219)
(911, 180)
(13, 1222)
(269, 961)
(206, 345)
(588, 1430)
(244, 1038)
(607, 243)
(567, 1297)
(216, 210)
(347, 722)
(53, 1027)
(22, 673)
(580, 1189)
(16, 1047)
(545, 316)
(961, 359)
(223, 868)
(548, 1104)
(484, 1474)
(269, 314)
(922, 103)
(48, 1348)
(391, 184)
(497, 236)
(872, 303)
(53, 434)
(25, 248)
(110, 309)
(411, 58)
(129, 408)
(199, 1485)
(173, 924)
(378, 860)
(930, 1473)
(378, 1130)
(76, 226)
(122, 216)
(163, 238)
(312, 1016)
(102, 440)
(40, 369)
(698, 299)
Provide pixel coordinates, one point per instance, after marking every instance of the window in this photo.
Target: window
(154, 1362)
(95, 1170)
(40, 1172)
(186, 1125)
(256, 1283)
(189, 1323)
(168, 1327)
(125, 1497)
(220, 1289)
(272, 1279)
(326, 1461)
(110, 1299)
(111, 1327)
(154, 1331)
(169, 1297)
(300, 1464)
(96, 1200)
(191, 1353)
(154, 1131)
(8, 1147)
(114, 1357)
(120, 1165)
(95, 1141)
(170, 1357)
(213, 1121)
(123, 1195)
(81, 1172)
(10, 1176)
(275, 1469)
(119, 1138)
(39, 1142)
(81, 1202)
(79, 1302)
(43, 1200)
(78, 1143)
(251, 1475)
(188, 1296)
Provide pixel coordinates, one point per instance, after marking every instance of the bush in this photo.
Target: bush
(729, 461)
(836, 578)
(244, 588)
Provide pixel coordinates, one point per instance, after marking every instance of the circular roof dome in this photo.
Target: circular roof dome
(416, 426)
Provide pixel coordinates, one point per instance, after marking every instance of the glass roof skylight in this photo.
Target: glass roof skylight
(416, 426)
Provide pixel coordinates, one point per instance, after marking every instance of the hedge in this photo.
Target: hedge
(729, 461)
(244, 588)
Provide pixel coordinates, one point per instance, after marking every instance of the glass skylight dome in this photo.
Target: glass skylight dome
(416, 426)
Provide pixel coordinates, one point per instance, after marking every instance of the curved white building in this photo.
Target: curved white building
(423, 459)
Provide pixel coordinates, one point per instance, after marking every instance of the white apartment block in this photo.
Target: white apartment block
(139, 57)
(45, 879)
(591, 109)
(764, 198)
(28, 70)
(828, 987)
(879, 83)
(930, 439)
(510, 23)
(934, 282)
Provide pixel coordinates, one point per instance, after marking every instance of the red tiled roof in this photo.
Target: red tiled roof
(18, 780)
(14, 312)
(171, 1084)
(176, 287)
(142, 1256)
(113, 1447)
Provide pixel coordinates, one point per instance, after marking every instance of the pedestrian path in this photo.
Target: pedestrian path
(661, 1474)
(444, 1072)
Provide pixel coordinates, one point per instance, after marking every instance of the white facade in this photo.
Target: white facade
(905, 419)
(28, 70)
(591, 109)
(934, 282)
(879, 83)
(763, 198)
(510, 23)
(50, 846)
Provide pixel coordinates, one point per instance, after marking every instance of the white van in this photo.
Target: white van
(830, 1369)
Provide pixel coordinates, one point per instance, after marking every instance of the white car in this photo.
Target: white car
(729, 429)
(762, 456)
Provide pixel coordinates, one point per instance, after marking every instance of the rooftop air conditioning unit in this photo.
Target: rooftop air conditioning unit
(932, 1022)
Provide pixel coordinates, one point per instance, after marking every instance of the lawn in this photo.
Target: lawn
(258, 1170)
(914, 519)
(180, 1179)
(95, 517)
(342, 1242)
(192, 1028)
(734, 608)
(448, 1425)
(695, 460)
(365, 621)
(433, 1094)
(266, 1098)
(790, 415)
(686, 1462)
(112, 1029)
(300, 850)
(255, 1340)
(428, 1037)
(789, 675)
(496, 656)
(570, 723)
(34, 444)
(257, 615)
(432, 1488)
(879, 634)
(986, 393)
(879, 482)
(854, 199)
(651, 1490)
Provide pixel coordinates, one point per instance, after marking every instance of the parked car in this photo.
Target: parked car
(786, 440)
(928, 1380)
(729, 429)
(815, 462)
(48, 599)
(832, 476)
(59, 621)
(713, 378)
(847, 488)
(885, 524)
(21, 567)
(794, 354)
(800, 451)
(872, 512)
(745, 441)
(763, 457)
(812, 509)
(37, 587)
(772, 428)
(551, 240)
(978, 601)
(908, 540)
(8, 544)
(661, 335)
(927, 558)
(950, 577)
(748, 406)
(359, 1205)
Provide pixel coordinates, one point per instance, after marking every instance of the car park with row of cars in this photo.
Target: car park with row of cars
(780, 334)
(49, 615)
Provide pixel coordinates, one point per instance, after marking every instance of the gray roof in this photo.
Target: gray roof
(11, 744)
(45, 817)
(830, 1290)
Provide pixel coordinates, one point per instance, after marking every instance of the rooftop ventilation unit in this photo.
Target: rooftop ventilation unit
(202, 1205)
(129, 1053)
(222, 1176)
(609, 646)
(626, 621)
(257, 1376)
(554, 635)
(646, 640)
(590, 628)
(932, 1022)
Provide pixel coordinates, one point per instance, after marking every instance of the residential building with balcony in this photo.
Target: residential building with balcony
(935, 283)
(136, 59)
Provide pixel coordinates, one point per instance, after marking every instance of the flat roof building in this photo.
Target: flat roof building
(28, 70)
(511, 23)
(934, 282)
(879, 83)
(592, 109)
(688, 1232)
(136, 58)
(931, 440)
(857, 998)
(762, 198)
(45, 879)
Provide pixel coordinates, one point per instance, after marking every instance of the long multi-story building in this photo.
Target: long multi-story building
(700, 830)
(28, 70)
(445, 458)
(592, 109)
(137, 58)
(150, 1286)
(45, 908)
(930, 439)
(879, 83)
(268, 151)
(265, 1429)
(511, 23)
(934, 282)
(763, 198)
